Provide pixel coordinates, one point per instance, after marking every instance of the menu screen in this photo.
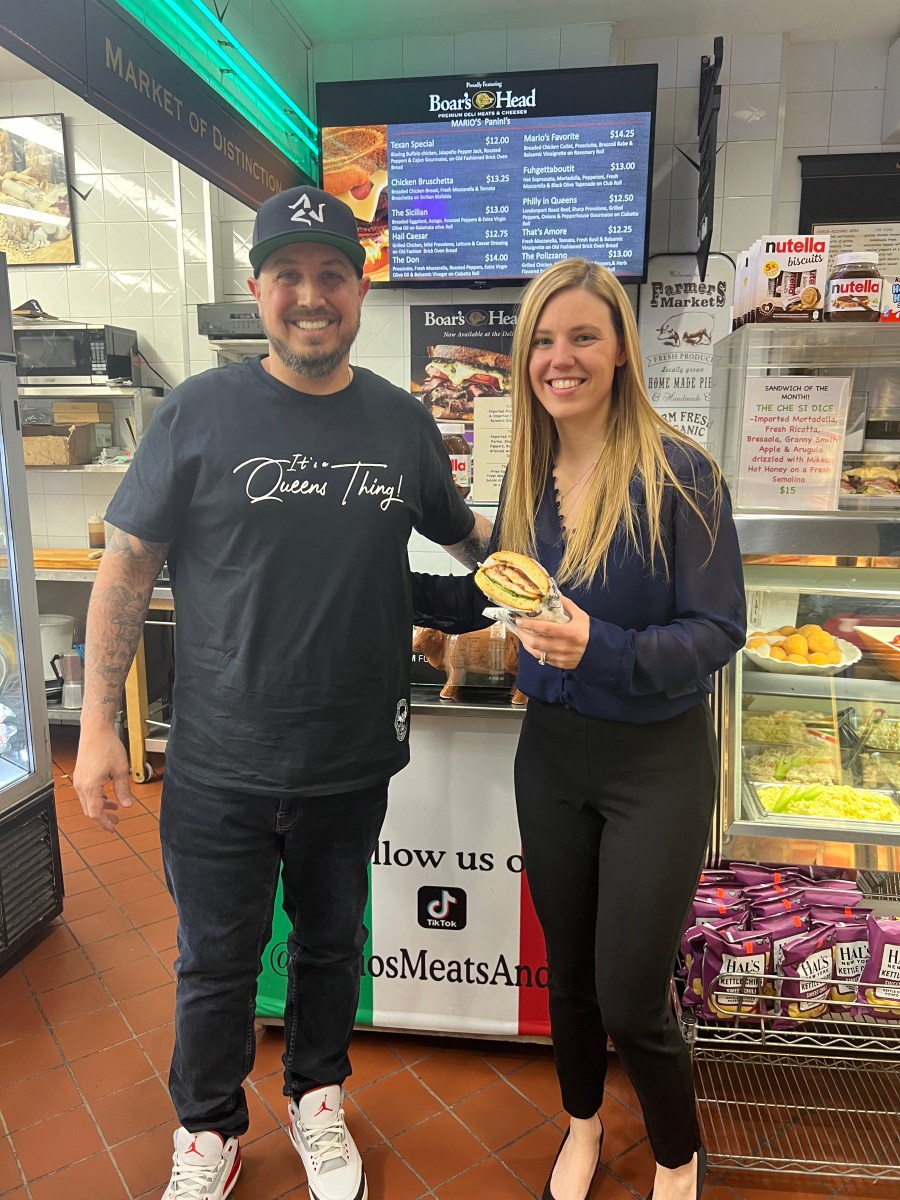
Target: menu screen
(455, 178)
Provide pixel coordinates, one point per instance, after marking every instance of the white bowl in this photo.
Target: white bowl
(850, 654)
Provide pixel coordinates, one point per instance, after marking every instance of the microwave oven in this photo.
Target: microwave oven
(73, 354)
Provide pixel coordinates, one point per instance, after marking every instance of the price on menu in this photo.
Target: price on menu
(620, 135)
(497, 179)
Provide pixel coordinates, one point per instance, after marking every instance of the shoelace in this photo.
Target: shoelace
(326, 1141)
(192, 1183)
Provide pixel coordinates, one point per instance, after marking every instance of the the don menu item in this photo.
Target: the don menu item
(792, 438)
(481, 178)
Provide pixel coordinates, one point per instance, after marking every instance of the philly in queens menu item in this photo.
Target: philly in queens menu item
(493, 177)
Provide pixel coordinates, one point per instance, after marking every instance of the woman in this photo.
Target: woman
(616, 766)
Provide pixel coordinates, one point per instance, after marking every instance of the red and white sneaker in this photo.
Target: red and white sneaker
(204, 1166)
(329, 1153)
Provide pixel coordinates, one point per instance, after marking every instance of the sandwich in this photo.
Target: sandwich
(458, 375)
(514, 581)
(354, 168)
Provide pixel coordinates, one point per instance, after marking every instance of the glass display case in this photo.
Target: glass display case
(30, 873)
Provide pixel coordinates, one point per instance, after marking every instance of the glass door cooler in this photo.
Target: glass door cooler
(30, 872)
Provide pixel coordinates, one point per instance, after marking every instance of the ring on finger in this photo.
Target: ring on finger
(542, 659)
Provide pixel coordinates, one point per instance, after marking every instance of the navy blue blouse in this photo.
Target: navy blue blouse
(655, 638)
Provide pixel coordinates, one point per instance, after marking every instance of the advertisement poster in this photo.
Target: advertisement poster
(459, 369)
(792, 440)
(680, 320)
(35, 203)
(883, 238)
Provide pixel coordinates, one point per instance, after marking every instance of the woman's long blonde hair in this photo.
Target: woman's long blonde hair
(634, 443)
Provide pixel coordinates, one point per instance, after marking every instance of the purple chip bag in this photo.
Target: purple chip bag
(718, 891)
(781, 929)
(717, 878)
(740, 956)
(879, 985)
(849, 954)
(693, 945)
(706, 909)
(779, 906)
(834, 896)
(838, 885)
(805, 984)
(771, 891)
(749, 874)
(830, 914)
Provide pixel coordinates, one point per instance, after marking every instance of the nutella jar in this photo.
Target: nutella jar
(854, 289)
(460, 454)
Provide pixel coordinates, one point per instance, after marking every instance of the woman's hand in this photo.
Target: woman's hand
(563, 646)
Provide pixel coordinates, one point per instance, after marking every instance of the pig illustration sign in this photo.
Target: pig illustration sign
(680, 319)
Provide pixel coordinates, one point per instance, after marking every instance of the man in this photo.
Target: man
(282, 491)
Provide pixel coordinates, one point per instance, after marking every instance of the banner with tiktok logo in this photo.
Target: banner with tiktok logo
(454, 943)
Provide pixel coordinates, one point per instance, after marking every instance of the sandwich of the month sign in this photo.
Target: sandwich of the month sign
(681, 317)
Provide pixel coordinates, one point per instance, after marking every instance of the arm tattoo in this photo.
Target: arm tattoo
(119, 602)
(473, 550)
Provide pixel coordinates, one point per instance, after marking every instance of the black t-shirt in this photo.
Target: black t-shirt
(288, 517)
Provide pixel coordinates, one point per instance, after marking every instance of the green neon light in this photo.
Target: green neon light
(217, 24)
(248, 82)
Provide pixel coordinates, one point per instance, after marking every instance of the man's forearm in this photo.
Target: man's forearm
(119, 602)
(473, 550)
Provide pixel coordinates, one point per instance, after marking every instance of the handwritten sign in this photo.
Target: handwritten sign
(792, 438)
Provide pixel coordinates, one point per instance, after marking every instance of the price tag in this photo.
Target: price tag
(792, 439)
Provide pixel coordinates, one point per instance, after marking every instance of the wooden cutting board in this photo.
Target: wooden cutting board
(64, 560)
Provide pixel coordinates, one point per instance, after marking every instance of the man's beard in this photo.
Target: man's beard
(313, 364)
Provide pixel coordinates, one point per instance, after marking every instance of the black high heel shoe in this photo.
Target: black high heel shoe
(701, 1173)
(546, 1194)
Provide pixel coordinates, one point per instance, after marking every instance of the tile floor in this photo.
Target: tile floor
(86, 1034)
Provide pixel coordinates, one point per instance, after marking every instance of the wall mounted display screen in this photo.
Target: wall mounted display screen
(493, 178)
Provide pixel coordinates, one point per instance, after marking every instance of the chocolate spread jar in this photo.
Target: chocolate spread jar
(854, 289)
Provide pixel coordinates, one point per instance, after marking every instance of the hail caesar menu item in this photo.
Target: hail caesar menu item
(494, 177)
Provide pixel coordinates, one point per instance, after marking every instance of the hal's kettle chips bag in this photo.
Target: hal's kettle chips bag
(792, 902)
(828, 915)
(732, 964)
(781, 929)
(706, 909)
(693, 945)
(750, 873)
(879, 985)
(718, 878)
(849, 954)
(805, 983)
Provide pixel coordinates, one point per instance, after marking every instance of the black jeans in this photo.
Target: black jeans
(222, 851)
(614, 820)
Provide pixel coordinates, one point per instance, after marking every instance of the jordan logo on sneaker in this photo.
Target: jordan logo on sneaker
(323, 1108)
(192, 1149)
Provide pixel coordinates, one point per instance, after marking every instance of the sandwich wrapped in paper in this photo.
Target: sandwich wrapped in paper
(519, 587)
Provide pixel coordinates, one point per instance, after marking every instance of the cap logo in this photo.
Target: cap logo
(304, 213)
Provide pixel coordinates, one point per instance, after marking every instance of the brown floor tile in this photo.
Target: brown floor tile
(621, 1129)
(719, 1192)
(49, 973)
(151, 910)
(140, 1108)
(270, 1091)
(117, 950)
(121, 868)
(506, 1059)
(269, 1049)
(101, 925)
(157, 1045)
(860, 1189)
(411, 1049)
(762, 1185)
(396, 1103)
(489, 1178)
(262, 1122)
(146, 1161)
(111, 1070)
(113, 848)
(35, 1100)
(271, 1167)
(364, 1132)
(10, 1175)
(636, 1168)
(498, 1115)
(93, 1179)
(74, 1000)
(78, 882)
(619, 1085)
(137, 888)
(88, 1034)
(454, 1074)
(537, 1081)
(89, 835)
(162, 935)
(87, 904)
(390, 1178)
(30, 1056)
(438, 1149)
(531, 1157)
(150, 1009)
(57, 940)
(142, 842)
(21, 1021)
(14, 988)
(153, 859)
(371, 1059)
(140, 821)
(56, 1143)
(133, 979)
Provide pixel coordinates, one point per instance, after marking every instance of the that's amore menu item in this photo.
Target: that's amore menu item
(463, 178)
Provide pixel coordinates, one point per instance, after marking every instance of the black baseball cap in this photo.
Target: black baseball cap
(305, 214)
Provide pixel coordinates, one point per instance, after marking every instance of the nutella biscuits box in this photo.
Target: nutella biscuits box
(789, 278)
(890, 298)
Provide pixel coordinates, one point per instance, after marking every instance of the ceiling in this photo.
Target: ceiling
(805, 20)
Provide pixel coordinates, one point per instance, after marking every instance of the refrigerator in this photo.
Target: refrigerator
(31, 888)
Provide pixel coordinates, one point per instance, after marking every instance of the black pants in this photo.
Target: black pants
(614, 820)
(222, 851)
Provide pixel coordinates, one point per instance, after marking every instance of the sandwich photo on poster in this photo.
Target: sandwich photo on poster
(458, 354)
(354, 168)
(35, 199)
